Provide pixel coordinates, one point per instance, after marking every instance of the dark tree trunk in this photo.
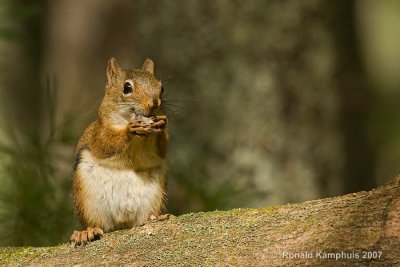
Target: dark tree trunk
(356, 100)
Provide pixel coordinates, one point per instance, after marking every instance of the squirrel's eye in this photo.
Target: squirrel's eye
(127, 88)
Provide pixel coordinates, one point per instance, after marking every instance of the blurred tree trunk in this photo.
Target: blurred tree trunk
(356, 98)
(23, 58)
(80, 38)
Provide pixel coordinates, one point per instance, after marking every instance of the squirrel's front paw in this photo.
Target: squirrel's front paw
(159, 122)
(140, 128)
(83, 237)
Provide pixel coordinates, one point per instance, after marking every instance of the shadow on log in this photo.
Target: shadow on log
(359, 229)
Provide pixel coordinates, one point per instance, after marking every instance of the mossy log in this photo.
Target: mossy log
(359, 229)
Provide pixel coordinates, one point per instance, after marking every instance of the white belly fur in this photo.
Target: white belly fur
(119, 198)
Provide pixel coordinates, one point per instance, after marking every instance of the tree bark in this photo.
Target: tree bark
(359, 229)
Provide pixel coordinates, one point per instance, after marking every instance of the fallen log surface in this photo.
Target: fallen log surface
(359, 229)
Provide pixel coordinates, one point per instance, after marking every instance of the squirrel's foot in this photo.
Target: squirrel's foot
(162, 217)
(83, 237)
(159, 218)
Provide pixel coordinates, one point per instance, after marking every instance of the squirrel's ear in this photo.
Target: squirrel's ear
(148, 65)
(112, 70)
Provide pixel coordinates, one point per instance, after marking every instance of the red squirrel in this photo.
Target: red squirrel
(119, 178)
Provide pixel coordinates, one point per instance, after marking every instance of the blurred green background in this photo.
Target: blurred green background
(275, 101)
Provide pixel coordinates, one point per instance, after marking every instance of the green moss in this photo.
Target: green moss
(217, 214)
(10, 256)
(271, 211)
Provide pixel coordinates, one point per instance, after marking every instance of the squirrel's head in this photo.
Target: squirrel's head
(133, 91)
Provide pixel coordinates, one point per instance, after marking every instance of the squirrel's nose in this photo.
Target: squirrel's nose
(152, 106)
(156, 103)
